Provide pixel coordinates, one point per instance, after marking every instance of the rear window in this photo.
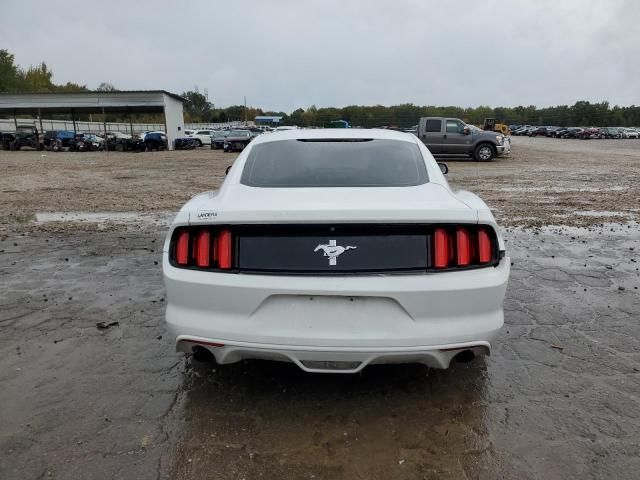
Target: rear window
(335, 163)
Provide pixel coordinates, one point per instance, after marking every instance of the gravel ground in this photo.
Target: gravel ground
(543, 182)
(558, 398)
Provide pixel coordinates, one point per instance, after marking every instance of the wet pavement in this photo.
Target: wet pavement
(558, 398)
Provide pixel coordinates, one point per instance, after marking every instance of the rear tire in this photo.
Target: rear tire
(484, 153)
(198, 143)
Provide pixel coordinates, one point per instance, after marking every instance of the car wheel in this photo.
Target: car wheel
(484, 153)
(198, 143)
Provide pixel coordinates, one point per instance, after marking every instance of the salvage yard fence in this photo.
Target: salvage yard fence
(98, 127)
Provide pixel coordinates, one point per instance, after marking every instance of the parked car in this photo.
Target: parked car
(335, 249)
(123, 142)
(96, 141)
(237, 140)
(143, 135)
(521, 131)
(57, 140)
(184, 143)
(217, 139)
(538, 131)
(85, 142)
(628, 133)
(573, 132)
(451, 136)
(610, 132)
(155, 141)
(202, 137)
(559, 132)
(23, 136)
(589, 133)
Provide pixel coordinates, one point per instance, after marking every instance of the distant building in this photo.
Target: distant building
(267, 120)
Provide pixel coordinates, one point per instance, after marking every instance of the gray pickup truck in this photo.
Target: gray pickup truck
(452, 137)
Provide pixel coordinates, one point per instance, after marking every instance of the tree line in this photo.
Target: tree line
(198, 109)
(582, 113)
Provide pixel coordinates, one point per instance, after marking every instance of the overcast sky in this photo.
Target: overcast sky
(284, 54)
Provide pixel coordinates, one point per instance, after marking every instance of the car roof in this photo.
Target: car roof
(338, 133)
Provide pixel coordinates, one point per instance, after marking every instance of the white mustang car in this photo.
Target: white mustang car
(335, 249)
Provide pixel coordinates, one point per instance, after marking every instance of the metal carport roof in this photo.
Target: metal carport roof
(42, 103)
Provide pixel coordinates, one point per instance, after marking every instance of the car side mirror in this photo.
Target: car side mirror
(226, 172)
(466, 130)
(443, 168)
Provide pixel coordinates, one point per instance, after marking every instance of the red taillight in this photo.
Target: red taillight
(463, 247)
(203, 247)
(224, 249)
(203, 244)
(441, 243)
(484, 247)
(182, 248)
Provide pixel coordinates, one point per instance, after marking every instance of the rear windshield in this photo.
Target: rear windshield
(335, 163)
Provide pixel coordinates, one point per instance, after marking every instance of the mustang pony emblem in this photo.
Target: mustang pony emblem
(333, 251)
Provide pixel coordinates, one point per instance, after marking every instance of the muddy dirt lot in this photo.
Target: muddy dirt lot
(558, 398)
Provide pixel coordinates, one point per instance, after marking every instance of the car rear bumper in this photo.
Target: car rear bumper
(365, 319)
(331, 359)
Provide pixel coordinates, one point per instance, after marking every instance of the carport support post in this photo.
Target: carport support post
(73, 117)
(40, 118)
(104, 124)
(130, 125)
(164, 116)
(15, 120)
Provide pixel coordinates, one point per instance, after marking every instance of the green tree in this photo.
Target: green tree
(197, 108)
(9, 78)
(71, 87)
(37, 79)
(106, 87)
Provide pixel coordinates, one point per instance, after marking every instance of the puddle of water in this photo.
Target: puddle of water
(617, 188)
(157, 218)
(602, 213)
(630, 228)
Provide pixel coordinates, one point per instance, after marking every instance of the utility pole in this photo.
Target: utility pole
(245, 110)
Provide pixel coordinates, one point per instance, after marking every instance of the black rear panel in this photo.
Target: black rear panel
(332, 249)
